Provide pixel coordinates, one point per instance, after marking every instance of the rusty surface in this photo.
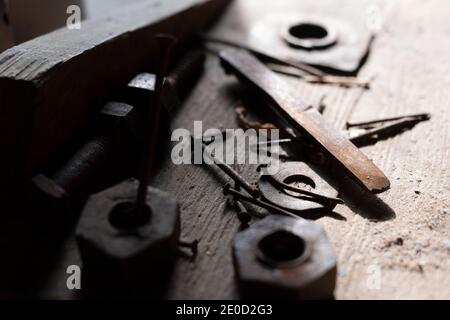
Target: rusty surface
(272, 208)
(166, 43)
(113, 245)
(367, 133)
(297, 172)
(120, 123)
(338, 41)
(281, 257)
(55, 192)
(294, 113)
(233, 174)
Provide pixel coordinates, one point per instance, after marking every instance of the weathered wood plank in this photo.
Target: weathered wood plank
(411, 71)
(410, 62)
(51, 85)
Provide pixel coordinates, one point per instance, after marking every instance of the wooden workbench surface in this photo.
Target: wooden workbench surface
(406, 239)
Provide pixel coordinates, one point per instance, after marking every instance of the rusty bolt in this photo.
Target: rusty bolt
(54, 192)
(121, 122)
(282, 257)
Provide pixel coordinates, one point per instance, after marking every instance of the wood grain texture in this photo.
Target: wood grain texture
(50, 86)
(407, 238)
(411, 70)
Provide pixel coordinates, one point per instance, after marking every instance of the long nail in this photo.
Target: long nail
(260, 203)
(165, 42)
(233, 175)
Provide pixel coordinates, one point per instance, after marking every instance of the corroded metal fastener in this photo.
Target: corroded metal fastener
(124, 122)
(228, 190)
(54, 192)
(133, 250)
(166, 43)
(130, 232)
(244, 184)
(284, 258)
(315, 195)
(303, 119)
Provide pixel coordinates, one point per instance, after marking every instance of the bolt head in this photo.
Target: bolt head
(116, 112)
(140, 94)
(284, 257)
(121, 117)
(143, 81)
(44, 193)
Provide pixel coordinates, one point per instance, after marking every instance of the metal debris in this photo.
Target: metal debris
(304, 120)
(366, 133)
(315, 195)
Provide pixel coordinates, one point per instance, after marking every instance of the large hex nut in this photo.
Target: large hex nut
(282, 257)
(128, 253)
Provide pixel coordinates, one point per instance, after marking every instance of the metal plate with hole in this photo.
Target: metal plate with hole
(302, 176)
(310, 34)
(317, 40)
(271, 28)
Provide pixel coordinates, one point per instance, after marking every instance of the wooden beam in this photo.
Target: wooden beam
(51, 86)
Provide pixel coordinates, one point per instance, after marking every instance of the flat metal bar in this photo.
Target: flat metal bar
(302, 118)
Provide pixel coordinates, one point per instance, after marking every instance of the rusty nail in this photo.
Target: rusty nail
(166, 42)
(228, 190)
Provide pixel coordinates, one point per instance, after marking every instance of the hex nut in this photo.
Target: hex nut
(284, 258)
(128, 253)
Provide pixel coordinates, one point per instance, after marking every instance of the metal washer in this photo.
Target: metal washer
(291, 170)
(329, 39)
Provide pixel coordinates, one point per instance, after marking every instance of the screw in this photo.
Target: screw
(165, 42)
(193, 246)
